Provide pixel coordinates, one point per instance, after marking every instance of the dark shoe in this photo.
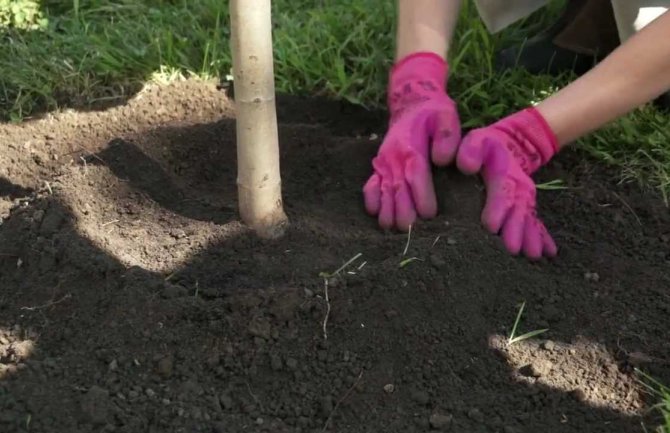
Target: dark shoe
(540, 56)
(663, 102)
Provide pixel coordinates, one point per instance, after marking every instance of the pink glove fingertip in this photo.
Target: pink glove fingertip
(386, 210)
(470, 155)
(418, 175)
(549, 245)
(372, 195)
(498, 205)
(512, 231)
(532, 241)
(405, 215)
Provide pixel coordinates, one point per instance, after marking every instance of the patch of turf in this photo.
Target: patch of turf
(106, 50)
(58, 53)
(662, 394)
(664, 407)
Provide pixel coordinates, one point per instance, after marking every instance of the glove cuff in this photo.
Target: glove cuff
(545, 131)
(537, 142)
(421, 73)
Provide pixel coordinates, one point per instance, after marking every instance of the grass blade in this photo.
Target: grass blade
(527, 335)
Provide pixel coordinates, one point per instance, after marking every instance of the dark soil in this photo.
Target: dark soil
(132, 299)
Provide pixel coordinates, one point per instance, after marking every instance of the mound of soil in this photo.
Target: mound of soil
(133, 299)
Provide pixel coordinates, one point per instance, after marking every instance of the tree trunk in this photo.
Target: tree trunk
(258, 173)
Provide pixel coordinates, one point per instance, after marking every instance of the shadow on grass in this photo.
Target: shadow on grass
(96, 55)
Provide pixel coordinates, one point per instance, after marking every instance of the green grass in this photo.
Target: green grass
(513, 338)
(59, 53)
(662, 394)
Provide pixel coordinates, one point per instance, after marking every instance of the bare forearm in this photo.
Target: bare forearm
(425, 25)
(635, 73)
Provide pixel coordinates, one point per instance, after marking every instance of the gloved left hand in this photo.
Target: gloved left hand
(506, 153)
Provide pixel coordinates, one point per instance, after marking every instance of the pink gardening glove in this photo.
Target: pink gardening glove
(424, 127)
(507, 153)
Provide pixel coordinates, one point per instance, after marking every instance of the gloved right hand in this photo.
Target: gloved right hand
(424, 127)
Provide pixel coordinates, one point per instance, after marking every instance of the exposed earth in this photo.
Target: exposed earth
(132, 299)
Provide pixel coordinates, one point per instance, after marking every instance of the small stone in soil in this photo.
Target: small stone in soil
(292, 363)
(275, 362)
(437, 261)
(390, 314)
(286, 306)
(38, 215)
(177, 233)
(226, 401)
(440, 421)
(389, 388)
(327, 405)
(592, 276)
(540, 368)
(420, 397)
(612, 368)
(422, 422)
(166, 366)
(260, 328)
(191, 388)
(551, 313)
(53, 220)
(213, 360)
(171, 291)
(579, 395)
(475, 415)
(451, 241)
(95, 405)
(548, 345)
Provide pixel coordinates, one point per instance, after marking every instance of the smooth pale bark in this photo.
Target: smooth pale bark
(258, 178)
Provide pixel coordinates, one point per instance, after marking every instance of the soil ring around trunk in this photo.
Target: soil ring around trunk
(133, 299)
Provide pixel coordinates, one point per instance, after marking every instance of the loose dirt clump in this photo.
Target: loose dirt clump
(133, 299)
